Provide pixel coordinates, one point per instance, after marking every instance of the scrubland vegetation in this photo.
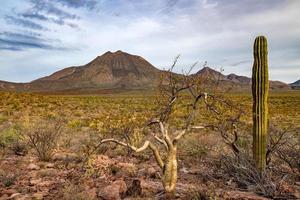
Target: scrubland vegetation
(65, 131)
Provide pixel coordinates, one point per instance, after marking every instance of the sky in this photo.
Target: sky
(39, 37)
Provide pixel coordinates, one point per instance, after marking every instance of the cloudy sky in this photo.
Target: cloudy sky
(39, 37)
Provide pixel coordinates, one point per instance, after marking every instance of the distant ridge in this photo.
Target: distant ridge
(296, 85)
(238, 82)
(118, 71)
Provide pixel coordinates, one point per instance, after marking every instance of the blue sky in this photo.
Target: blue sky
(39, 37)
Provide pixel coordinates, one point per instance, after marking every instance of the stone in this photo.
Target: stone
(15, 196)
(110, 193)
(151, 186)
(32, 166)
(141, 172)
(237, 195)
(184, 170)
(49, 172)
(151, 172)
(38, 195)
(9, 192)
(121, 185)
(49, 165)
(33, 182)
(4, 197)
(135, 189)
(114, 191)
(45, 183)
(66, 157)
(91, 193)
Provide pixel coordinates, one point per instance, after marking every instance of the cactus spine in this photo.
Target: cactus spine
(260, 90)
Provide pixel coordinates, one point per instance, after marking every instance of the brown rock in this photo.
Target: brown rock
(121, 185)
(141, 172)
(47, 172)
(35, 181)
(110, 193)
(4, 197)
(66, 157)
(114, 191)
(32, 166)
(135, 189)
(92, 193)
(15, 196)
(9, 192)
(45, 183)
(238, 195)
(151, 172)
(49, 165)
(38, 195)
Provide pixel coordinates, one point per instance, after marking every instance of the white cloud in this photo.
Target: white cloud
(199, 30)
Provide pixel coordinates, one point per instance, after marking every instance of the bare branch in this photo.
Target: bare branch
(137, 150)
(189, 118)
(161, 141)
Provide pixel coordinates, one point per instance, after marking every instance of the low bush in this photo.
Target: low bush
(43, 138)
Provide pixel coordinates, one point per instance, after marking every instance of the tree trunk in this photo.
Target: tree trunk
(169, 178)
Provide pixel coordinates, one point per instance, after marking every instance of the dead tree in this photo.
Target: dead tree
(174, 87)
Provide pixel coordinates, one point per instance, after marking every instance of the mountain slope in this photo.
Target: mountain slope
(296, 85)
(119, 70)
(110, 70)
(237, 82)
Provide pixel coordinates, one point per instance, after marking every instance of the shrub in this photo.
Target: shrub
(7, 179)
(10, 139)
(19, 147)
(7, 137)
(43, 138)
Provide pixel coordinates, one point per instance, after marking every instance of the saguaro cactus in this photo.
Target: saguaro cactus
(260, 90)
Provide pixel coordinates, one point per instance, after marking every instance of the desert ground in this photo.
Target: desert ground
(50, 149)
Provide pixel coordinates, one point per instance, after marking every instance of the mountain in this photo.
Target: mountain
(108, 71)
(237, 82)
(118, 71)
(296, 85)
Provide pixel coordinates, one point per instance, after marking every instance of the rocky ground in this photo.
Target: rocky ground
(103, 177)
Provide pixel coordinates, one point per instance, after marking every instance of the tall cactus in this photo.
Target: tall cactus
(260, 90)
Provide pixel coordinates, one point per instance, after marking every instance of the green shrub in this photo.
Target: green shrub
(7, 137)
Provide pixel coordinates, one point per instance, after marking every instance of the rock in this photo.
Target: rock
(47, 172)
(33, 182)
(135, 189)
(9, 192)
(38, 195)
(66, 157)
(23, 197)
(59, 157)
(32, 166)
(184, 170)
(91, 193)
(141, 172)
(114, 191)
(15, 196)
(151, 172)
(237, 195)
(121, 185)
(151, 186)
(110, 193)
(297, 195)
(49, 165)
(45, 183)
(4, 197)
